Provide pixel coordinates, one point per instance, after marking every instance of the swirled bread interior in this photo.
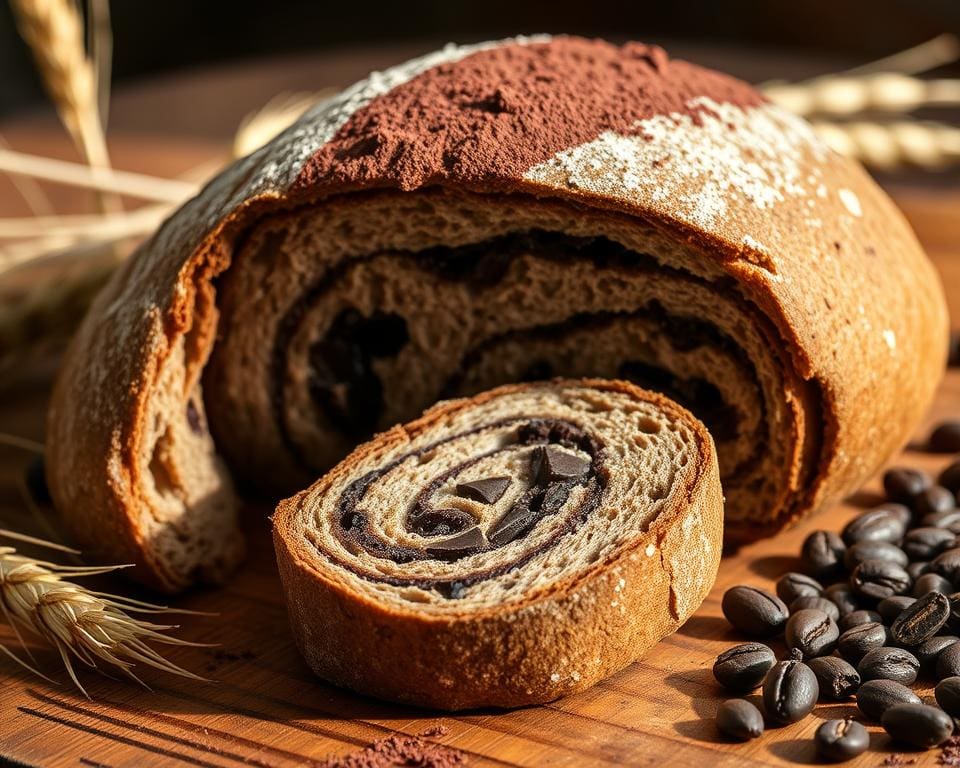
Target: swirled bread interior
(567, 475)
(343, 319)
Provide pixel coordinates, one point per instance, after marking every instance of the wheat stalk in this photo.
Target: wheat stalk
(82, 625)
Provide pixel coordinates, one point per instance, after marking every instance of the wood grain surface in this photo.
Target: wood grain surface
(264, 708)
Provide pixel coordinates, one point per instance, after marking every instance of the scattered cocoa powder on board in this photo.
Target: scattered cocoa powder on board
(402, 751)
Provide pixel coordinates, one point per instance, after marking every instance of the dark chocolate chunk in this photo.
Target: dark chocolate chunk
(489, 490)
(452, 590)
(442, 522)
(463, 543)
(342, 381)
(551, 463)
(193, 418)
(517, 519)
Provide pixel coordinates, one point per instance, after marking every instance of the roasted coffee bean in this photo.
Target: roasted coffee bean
(877, 579)
(901, 512)
(839, 740)
(948, 662)
(743, 667)
(874, 550)
(929, 650)
(857, 641)
(927, 542)
(790, 691)
(878, 524)
(935, 500)
(947, 564)
(875, 697)
(889, 664)
(891, 607)
(931, 582)
(922, 620)
(947, 694)
(790, 586)
(918, 725)
(918, 568)
(945, 437)
(837, 678)
(754, 611)
(811, 632)
(841, 595)
(739, 719)
(816, 603)
(858, 618)
(822, 554)
(950, 477)
(949, 519)
(903, 483)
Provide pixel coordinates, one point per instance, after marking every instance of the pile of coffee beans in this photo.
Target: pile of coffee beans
(869, 612)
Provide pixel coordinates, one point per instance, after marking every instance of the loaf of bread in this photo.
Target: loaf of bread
(504, 549)
(510, 211)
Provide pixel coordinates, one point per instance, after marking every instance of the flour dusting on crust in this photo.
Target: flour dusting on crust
(691, 167)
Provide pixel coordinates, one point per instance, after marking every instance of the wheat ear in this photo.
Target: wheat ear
(54, 31)
(82, 625)
(890, 145)
(883, 92)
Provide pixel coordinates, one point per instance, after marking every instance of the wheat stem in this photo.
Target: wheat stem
(25, 443)
(942, 49)
(106, 179)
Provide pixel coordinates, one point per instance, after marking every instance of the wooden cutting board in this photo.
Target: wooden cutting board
(264, 708)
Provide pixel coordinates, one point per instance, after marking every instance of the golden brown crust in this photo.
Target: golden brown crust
(804, 234)
(558, 641)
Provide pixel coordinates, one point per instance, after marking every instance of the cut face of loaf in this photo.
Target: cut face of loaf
(521, 209)
(509, 548)
(436, 295)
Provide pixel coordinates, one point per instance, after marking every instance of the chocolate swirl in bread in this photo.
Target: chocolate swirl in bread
(535, 538)
(515, 210)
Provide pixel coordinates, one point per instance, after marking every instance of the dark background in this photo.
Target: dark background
(158, 37)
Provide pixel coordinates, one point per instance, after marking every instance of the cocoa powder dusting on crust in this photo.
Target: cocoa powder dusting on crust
(409, 751)
(495, 114)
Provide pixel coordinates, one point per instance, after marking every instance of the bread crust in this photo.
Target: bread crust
(557, 641)
(812, 242)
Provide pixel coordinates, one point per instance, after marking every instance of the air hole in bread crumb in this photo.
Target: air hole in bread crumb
(648, 425)
(657, 492)
(159, 469)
